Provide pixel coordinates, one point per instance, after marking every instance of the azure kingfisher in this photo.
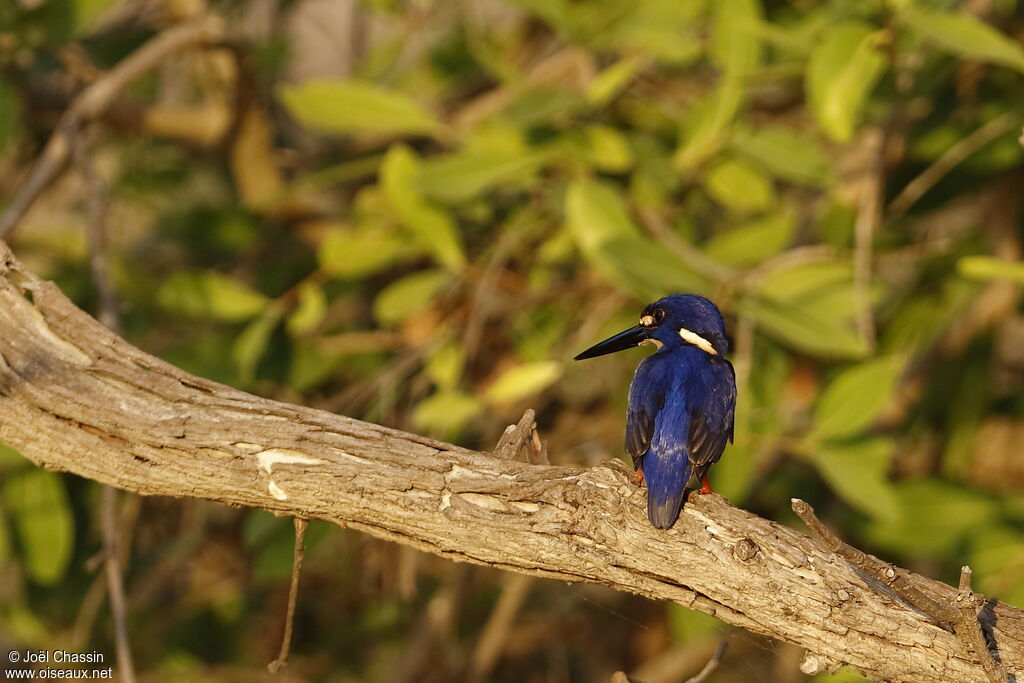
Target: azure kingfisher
(681, 401)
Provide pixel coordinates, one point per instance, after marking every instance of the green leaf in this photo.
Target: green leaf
(11, 459)
(38, 504)
(754, 241)
(986, 268)
(963, 35)
(445, 366)
(251, 344)
(823, 336)
(648, 269)
(735, 42)
(309, 312)
(787, 153)
(461, 177)
(601, 227)
(354, 254)
(843, 70)
(855, 398)
(352, 106)
(997, 558)
(596, 215)
(445, 412)
(937, 516)
(740, 187)
(690, 626)
(86, 13)
(432, 226)
(407, 296)
(703, 130)
(608, 149)
(210, 294)
(734, 475)
(606, 85)
(736, 50)
(806, 280)
(857, 471)
(523, 381)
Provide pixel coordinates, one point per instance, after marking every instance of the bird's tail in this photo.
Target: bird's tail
(666, 487)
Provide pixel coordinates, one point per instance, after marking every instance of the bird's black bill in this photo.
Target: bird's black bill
(634, 336)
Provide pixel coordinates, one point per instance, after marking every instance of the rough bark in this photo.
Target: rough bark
(75, 397)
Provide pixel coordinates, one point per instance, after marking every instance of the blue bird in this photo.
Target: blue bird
(681, 401)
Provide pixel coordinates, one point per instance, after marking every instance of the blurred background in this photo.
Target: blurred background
(416, 213)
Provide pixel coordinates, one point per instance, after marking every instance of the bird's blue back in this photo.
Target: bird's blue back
(681, 406)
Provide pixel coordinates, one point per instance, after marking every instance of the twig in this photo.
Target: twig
(969, 628)
(293, 594)
(882, 571)
(869, 219)
(711, 665)
(96, 234)
(108, 315)
(115, 582)
(963, 616)
(950, 159)
(515, 588)
(94, 101)
(515, 436)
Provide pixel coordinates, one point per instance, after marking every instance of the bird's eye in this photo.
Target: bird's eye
(659, 315)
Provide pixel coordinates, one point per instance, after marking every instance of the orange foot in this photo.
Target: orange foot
(639, 476)
(706, 488)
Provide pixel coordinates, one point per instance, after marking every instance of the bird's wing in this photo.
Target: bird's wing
(711, 418)
(646, 397)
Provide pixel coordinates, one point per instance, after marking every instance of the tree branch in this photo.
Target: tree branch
(94, 101)
(76, 397)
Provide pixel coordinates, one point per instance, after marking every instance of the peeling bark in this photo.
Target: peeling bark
(75, 397)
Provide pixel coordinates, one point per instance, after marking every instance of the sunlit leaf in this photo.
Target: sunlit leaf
(608, 148)
(354, 254)
(346, 106)
(434, 228)
(740, 187)
(409, 295)
(461, 177)
(963, 35)
(309, 311)
(210, 294)
(754, 241)
(38, 504)
(596, 215)
(857, 471)
(855, 398)
(989, 268)
(445, 366)
(523, 381)
(735, 42)
(445, 412)
(843, 71)
(610, 82)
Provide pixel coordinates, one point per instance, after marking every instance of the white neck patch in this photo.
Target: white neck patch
(697, 340)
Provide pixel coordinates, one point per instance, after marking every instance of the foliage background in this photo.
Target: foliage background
(417, 213)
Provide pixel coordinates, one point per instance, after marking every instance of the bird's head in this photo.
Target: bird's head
(675, 321)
